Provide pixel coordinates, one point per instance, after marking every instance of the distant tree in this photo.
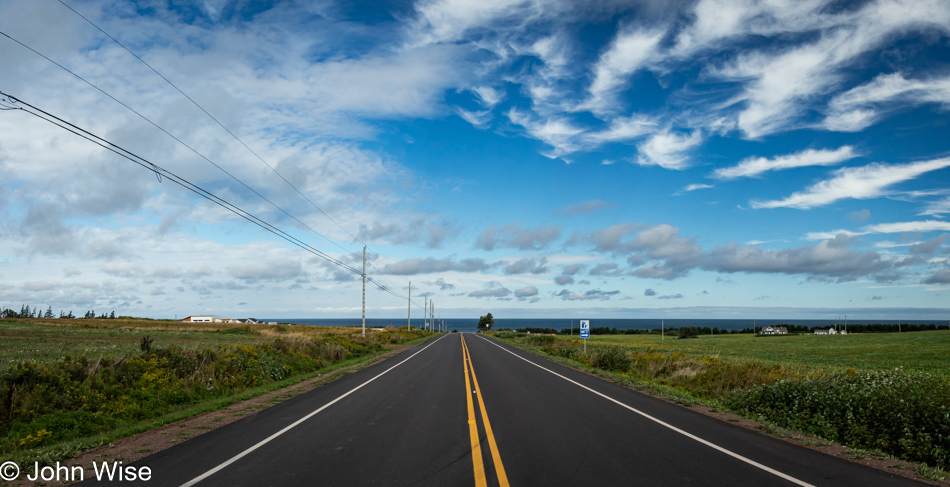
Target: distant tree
(49, 312)
(688, 332)
(486, 322)
(112, 315)
(61, 315)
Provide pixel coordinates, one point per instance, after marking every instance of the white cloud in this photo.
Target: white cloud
(488, 96)
(692, 187)
(862, 106)
(778, 85)
(755, 166)
(939, 207)
(717, 21)
(900, 227)
(622, 129)
(450, 20)
(558, 132)
(629, 51)
(864, 182)
(668, 150)
(895, 227)
(480, 119)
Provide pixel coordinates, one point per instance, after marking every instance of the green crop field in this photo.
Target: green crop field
(924, 350)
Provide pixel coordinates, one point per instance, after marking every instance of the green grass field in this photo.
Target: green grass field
(73, 384)
(36, 342)
(924, 350)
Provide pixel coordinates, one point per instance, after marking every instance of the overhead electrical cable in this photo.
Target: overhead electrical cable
(226, 129)
(12, 104)
(177, 140)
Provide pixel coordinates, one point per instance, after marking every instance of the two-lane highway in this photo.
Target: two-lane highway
(468, 410)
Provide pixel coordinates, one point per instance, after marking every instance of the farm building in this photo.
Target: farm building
(773, 330)
(829, 331)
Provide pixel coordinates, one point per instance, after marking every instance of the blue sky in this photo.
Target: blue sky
(530, 158)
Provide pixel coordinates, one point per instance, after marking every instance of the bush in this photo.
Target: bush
(906, 414)
(611, 358)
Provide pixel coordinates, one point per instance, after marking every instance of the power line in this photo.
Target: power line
(226, 129)
(143, 117)
(166, 132)
(11, 104)
(212, 118)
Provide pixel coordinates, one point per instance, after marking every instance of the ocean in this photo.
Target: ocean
(469, 324)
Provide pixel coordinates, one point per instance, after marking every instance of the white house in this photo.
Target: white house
(829, 331)
(209, 319)
(773, 330)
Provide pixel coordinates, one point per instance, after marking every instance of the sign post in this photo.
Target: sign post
(585, 332)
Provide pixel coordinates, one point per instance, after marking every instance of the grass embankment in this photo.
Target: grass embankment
(886, 392)
(63, 382)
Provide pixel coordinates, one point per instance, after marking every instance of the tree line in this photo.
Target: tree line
(37, 312)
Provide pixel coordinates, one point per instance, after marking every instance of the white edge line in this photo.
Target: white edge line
(297, 423)
(663, 423)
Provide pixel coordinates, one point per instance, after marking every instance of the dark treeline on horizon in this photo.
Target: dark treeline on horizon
(37, 312)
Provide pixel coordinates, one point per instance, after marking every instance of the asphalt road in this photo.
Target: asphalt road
(464, 410)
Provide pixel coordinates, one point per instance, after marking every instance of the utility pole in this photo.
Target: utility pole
(364, 291)
(409, 314)
(662, 332)
(425, 311)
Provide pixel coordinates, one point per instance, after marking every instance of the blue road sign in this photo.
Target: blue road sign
(585, 328)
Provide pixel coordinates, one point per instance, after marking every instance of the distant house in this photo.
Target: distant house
(210, 319)
(829, 331)
(773, 330)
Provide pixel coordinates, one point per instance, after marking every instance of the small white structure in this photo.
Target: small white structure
(773, 330)
(829, 331)
(210, 319)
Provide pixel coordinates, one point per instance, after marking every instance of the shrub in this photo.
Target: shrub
(906, 414)
(611, 358)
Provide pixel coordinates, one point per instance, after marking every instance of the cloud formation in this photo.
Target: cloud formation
(865, 182)
(513, 235)
(755, 166)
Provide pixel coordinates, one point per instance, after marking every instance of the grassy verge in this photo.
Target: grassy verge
(923, 351)
(903, 413)
(53, 409)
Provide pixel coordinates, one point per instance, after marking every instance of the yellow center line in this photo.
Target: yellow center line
(477, 462)
(496, 456)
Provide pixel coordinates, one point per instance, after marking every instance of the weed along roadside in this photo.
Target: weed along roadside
(54, 409)
(886, 412)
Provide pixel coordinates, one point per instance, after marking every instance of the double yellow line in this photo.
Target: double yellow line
(477, 462)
